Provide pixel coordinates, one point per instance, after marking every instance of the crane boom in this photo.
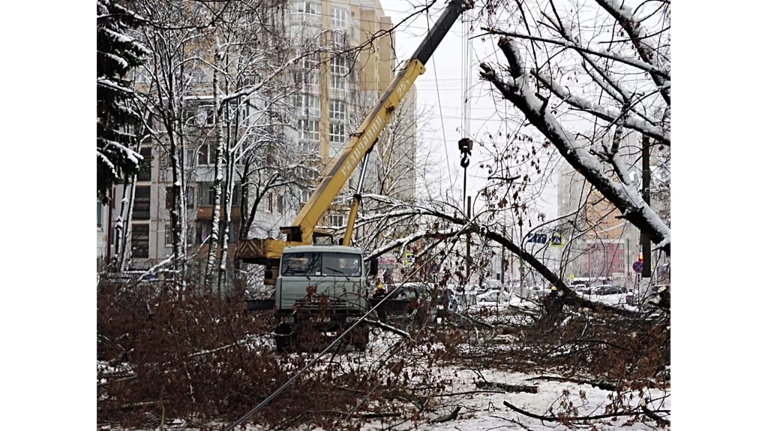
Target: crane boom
(302, 230)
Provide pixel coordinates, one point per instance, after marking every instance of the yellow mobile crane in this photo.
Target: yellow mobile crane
(302, 231)
(297, 267)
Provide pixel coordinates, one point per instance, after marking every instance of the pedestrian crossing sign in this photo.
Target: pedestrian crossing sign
(409, 259)
(556, 240)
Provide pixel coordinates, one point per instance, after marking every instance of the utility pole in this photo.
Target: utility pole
(504, 234)
(465, 147)
(646, 240)
(469, 235)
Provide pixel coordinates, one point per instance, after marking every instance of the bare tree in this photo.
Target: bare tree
(596, 63)
(172, 32)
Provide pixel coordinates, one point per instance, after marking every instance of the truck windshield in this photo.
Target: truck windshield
(320, 264)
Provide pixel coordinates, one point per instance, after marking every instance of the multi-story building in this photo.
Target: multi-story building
(341, 88)
(598, 243)
(601, 243)
(334, 89)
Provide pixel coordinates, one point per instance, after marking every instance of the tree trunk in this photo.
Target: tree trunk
(218, 177)
(126, 214)
(230, 184)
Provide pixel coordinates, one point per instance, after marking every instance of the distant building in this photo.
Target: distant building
(599, 244)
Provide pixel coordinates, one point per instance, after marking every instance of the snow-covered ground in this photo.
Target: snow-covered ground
(486, 410)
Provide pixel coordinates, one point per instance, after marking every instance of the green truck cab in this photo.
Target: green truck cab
(323, 287)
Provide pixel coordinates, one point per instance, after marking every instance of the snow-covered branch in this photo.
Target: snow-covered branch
(627, 199)
(639, 38)
(604, 112)
(653, 70)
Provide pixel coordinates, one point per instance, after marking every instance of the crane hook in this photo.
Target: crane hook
(465, 160)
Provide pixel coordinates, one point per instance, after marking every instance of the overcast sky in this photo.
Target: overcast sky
(444, 77)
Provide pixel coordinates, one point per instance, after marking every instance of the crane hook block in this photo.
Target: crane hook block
(465, 146)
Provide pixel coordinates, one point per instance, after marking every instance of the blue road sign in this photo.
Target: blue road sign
(637, 266)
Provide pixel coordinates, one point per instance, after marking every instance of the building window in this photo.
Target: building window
(337, 220)
(236, 192)
(339, 83)
(338, 18)
(190, 116)
(338, 66)
(338, 133)
(310, 62)
(309, 129)
(621, 246)
(339, 38)
(145, 165)
(621, 266)
(208, 112)
(208, 193)
(98, 215)
(140, 240)
(280, 204)
(203, 232)
(307, 147)
(309, 105)
(168, 235)
(141, 203)
(621, 256)
(169, 197)
(196, 76)
(307, 7)
(338, 110)
(189, 159)
(206, 155)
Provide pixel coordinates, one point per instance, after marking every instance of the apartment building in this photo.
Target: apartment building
(333, 91)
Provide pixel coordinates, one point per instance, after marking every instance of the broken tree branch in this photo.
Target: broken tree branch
(578, 418)
(388, 328)
(508, 388)
(452, 416)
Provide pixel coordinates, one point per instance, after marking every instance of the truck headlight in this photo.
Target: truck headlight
(288, 319)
